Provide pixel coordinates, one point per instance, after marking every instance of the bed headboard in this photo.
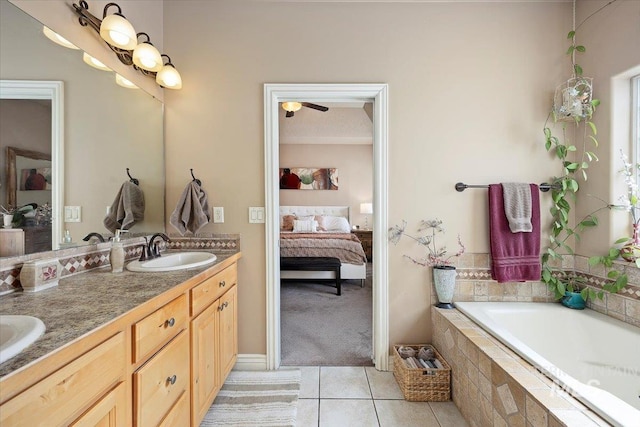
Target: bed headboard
(316, 210)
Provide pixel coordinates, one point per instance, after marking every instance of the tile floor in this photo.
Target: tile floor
(364, 397)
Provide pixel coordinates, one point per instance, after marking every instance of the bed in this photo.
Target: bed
(337, 242)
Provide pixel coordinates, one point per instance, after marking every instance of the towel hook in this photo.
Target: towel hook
(195, 179)
(135, 181)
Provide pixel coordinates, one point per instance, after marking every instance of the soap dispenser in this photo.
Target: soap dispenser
(116, 256)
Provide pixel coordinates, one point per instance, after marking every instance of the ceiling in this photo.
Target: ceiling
(344, 123)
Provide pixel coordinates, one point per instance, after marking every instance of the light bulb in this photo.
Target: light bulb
(57, 38)
(118, 32)
(169, 77)
(147, 57)
(291, 106)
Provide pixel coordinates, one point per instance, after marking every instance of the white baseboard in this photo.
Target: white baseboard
(251, 362)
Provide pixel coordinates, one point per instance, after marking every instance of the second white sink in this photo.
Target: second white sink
(17, 332)
(173, 261)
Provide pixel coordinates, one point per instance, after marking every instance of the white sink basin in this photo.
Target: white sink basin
(173, 261)
(17, 333)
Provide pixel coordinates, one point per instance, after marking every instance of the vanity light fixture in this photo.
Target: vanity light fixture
(124, 82)
(116, 30)
(122, 39)
(168, 76)
(57, 38)
(291, 106)
(90, 60)
(146, 56)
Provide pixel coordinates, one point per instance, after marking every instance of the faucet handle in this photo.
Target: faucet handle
(146, 251)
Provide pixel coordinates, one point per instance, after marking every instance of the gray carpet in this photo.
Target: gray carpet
(320, 328)
(256, 398)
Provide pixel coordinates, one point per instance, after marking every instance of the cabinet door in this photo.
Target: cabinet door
(110, 411)
(228, 340)
(205, 381)
(178, 416)
(71, 389)
(160, 382)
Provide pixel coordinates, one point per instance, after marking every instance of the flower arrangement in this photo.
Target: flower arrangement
(629, 201)
(436, 256)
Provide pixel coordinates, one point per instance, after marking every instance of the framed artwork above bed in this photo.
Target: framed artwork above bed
(300, 178)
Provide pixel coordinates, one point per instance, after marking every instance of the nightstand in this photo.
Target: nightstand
(366, 237)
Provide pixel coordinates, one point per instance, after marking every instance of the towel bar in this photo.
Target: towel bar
(460, 186)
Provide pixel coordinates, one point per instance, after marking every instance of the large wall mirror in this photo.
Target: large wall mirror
(106, 129)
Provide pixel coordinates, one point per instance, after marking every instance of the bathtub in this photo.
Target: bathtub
(597, 361)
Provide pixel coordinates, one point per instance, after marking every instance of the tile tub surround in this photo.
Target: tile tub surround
(474, 283)
(493, 386)
(88, 257)
(83, 302)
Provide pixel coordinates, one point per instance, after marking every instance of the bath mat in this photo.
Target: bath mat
(256, 398)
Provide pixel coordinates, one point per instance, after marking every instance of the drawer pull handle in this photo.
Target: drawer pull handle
(222, 306)
(172, 379)
(170, 322)
(223, 284)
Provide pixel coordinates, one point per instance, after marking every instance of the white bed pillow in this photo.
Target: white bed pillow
(335, 224)
(309, 226)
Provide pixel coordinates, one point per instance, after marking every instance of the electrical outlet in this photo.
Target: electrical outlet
(218, 214)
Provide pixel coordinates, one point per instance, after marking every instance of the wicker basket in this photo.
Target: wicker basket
(422, 385)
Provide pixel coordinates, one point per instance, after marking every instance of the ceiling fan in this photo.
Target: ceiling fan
(291, 107)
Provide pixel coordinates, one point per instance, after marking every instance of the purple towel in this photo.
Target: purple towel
(515, 257)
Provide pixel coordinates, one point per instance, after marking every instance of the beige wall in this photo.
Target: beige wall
(469, 89)
(611, 38)
(355, 175)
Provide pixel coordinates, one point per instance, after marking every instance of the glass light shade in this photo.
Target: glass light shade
(90, 60)
(169, 77)
(124, 82)
(366, 208)
(118, 32)
(291, 106)
(57, 38)
(147, 57)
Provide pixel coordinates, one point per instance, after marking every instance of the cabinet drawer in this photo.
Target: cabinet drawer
(160, 382)
(211, 289)
(159, 327)
(69, 390)
(179, 414)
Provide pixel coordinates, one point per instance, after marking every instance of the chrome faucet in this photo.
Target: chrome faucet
(154, 248)
(90, 235)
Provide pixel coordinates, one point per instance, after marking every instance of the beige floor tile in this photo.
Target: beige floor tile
(448, 414)
(309, 382)
(383, 384)
(395, 413)
(347, 413)
(308, 411)
(344, 383)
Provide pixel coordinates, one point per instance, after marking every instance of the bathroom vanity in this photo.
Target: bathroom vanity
(136, 349)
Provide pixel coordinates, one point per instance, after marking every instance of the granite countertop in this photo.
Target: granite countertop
(85, 302)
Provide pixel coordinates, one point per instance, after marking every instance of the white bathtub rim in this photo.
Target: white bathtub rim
(619, 413)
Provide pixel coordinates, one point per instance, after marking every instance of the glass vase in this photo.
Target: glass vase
(630, 251)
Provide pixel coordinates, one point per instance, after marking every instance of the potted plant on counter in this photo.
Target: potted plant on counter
(444, 273)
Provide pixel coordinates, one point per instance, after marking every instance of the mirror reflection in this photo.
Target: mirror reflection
(107, 129)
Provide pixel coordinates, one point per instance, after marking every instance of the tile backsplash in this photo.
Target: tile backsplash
(474, 283)
(84, 258)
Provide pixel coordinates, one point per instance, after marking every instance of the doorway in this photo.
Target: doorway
(376, 94)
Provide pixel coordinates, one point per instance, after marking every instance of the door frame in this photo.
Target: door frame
(378, 94)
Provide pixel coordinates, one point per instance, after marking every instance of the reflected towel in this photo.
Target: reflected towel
(515, 257)
(126, 209)
(517, 206)
(192, 211)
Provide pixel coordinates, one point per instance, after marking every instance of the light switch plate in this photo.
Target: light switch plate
(72, 214)
(218, 214)
(256, 215)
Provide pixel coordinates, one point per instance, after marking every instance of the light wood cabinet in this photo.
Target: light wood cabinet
(161, 364)
(214, 342)
(161, 382)
(107, 412)
(64, 395)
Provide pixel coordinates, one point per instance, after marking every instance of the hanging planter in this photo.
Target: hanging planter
(572, 99)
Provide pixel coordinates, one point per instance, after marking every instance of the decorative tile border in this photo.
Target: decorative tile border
(85, 258)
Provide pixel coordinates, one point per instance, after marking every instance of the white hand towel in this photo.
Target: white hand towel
(126, 209)
(517, 206)
(192, 211)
